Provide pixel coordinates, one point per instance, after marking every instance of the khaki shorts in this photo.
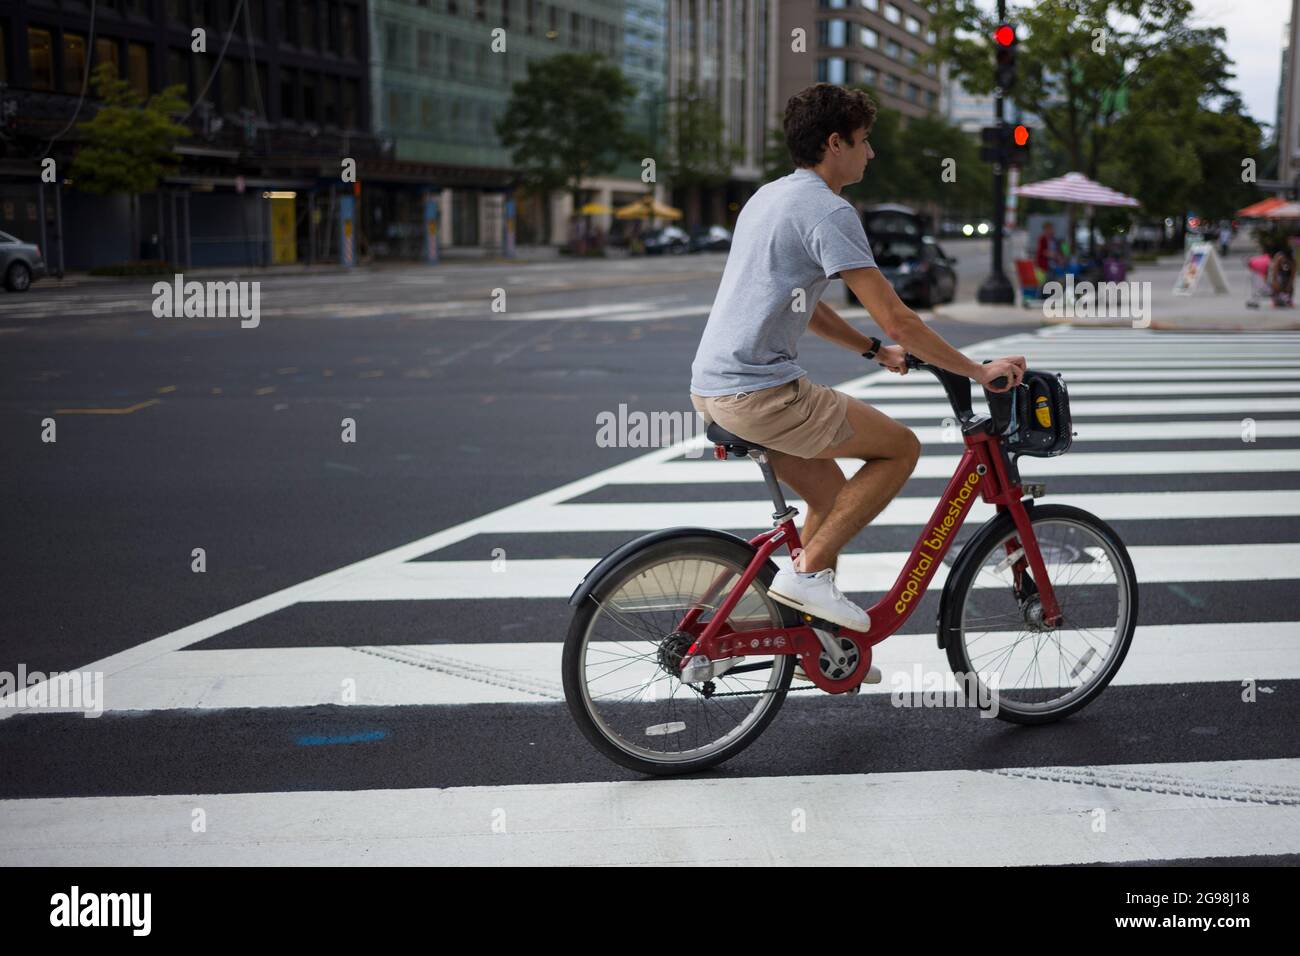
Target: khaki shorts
(797, 418)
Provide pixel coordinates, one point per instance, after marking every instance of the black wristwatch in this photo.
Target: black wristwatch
(875, 347)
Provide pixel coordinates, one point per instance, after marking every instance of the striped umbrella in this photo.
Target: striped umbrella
(1284, 210)
(1261, 208)
(1076, 188)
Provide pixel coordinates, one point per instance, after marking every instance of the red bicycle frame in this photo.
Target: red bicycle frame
(983, 469)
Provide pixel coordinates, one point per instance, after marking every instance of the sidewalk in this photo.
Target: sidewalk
(468, 256)
(1206, 309)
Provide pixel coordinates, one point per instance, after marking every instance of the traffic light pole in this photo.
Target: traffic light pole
(997, 288)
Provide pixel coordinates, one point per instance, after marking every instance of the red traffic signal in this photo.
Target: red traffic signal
(1004, 35)
(1020, 135)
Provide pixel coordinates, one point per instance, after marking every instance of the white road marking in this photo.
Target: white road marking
(1022, 817)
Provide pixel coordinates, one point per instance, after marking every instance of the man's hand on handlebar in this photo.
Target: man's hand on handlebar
(894, 358)
(1002, 375)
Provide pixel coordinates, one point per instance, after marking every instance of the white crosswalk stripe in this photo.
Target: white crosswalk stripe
(1193, 458)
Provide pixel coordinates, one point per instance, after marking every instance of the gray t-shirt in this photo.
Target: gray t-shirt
(794, 233)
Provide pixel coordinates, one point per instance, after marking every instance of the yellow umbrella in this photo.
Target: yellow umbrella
(594, 209)
(647, 208)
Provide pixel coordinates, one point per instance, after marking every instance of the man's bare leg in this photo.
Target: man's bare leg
(816, 480)
(890, 452)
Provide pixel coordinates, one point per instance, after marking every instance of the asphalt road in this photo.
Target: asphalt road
(186, 433)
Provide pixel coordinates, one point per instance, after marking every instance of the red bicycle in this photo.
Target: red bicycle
(677, 658)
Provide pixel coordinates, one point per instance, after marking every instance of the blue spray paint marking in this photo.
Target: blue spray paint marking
(342, 739)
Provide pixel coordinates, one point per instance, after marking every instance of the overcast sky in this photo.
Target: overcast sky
(1255, 33)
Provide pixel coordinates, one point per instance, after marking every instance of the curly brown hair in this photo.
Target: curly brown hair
(824, 108)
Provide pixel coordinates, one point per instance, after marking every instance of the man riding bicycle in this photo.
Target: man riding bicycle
(792, 238)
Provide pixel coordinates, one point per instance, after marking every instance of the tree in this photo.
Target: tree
(129, 144)
(565, 123)
(1117, 85)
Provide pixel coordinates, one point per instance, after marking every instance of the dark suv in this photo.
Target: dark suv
(920, 272)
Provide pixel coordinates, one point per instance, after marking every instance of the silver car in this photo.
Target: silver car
(20, 263)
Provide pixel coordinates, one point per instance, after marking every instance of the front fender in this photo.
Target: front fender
(1000, 524)
(623, 551)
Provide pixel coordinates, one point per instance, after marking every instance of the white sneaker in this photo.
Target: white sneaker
(816, 594)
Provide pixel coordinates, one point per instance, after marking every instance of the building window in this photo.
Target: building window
(892, 49)
(178, 68)
(106, 51)
(913, 92)
(869, 37)
(40, 59)
(531, 23)
(912, 24)
(351, 98)
(288, 33)
(137, 67)
(329, 100)
(288, 108)
(833, 4)
(256, 18)
(930, 37)
(831, 32)
(830, 70)
(348, 30)
(929, 98)
(74, 62)
(309, 97)
(307, 23)
(873, 5)
(892, 13)
(868, 75)
(891, 83)
(909, 56)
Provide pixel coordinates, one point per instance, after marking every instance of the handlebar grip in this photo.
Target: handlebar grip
(1000, 381)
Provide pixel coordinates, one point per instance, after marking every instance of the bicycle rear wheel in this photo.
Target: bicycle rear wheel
(621, 680)
(992, 623)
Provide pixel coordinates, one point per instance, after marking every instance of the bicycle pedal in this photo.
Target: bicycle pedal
(820, 624)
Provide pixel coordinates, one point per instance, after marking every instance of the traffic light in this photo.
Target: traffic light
(1018, 148)
(1008, 145)
(1004, 39)
(993, 144)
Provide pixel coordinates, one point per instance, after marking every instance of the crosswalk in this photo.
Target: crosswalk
(1188, 444)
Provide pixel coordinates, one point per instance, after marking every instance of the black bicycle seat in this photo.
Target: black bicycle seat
(734, 444)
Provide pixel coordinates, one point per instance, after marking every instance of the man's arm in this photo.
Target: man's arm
(831, 326)
(901, 324)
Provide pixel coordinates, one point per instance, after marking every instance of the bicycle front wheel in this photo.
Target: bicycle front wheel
(992, 622)
(621, 658)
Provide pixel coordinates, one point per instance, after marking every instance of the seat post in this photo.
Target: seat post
(783, 511)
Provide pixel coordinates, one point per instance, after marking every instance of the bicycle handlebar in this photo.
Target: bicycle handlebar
(957, 388)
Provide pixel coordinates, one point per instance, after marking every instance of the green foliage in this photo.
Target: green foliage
(698, 153)
(127, 147)
(565, 121)
(1127, 92)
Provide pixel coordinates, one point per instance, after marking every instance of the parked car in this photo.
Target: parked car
(918, 269)
(669, 239)
(895, 220)
(20, 263)
(712, 239)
